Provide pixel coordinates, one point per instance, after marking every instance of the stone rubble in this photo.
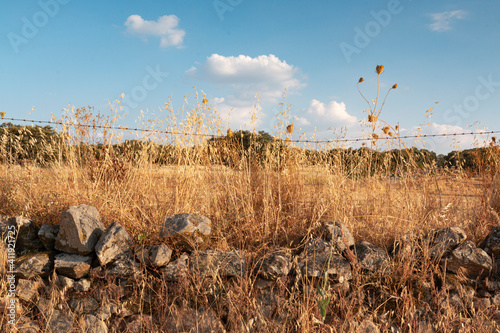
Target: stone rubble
(81, 249)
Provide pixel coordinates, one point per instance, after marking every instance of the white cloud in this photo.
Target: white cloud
(246, 76)
(165, 27)
(442, 21)
(301, 121)
(332, 114)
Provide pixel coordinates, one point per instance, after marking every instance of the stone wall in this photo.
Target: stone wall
(80, 247)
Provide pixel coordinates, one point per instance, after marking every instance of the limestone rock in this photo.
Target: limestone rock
(275, 264)
(59, 322)
(209, 262)
(443, 241)
(27, 235)
(113, 243)
(72, 265)
(193, 230)
(372, 258)
(82, 285)
(27, 289)
(47, 235)
(338, 235)
(65, 282)
(467, 257)
(491, 243)
(124, 266)
(155, 255)
(176, 269)
(91, 324)
(80, 229)
(318, 257)
(35, 264)
(83, 305)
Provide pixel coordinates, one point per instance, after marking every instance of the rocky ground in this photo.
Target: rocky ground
(81, 276)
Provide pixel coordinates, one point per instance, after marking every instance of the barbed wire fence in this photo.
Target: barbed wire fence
(359, 139)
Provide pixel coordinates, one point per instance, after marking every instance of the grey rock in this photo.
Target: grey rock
(155, 255)
(443, 241)
(471, 260)
(176, 270)
(107, 310)
(83, 305)
(193, 230)
(35, 264)
(213, 263)
(123, 266)
(113, 243)
(275, 264)
(338, 235)
(491, 243)
(65, 282)
(47, 235)
(74, 266)
(59, 322)
(319, 258)
(27, 235)
(372, 258)
(91, 324)
(27, 289)
(82, 285)
(80, 229)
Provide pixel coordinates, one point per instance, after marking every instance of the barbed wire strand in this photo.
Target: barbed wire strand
(419, 136)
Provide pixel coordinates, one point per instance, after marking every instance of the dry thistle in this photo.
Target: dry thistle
(379, 69)
(230, 133)
(395, 86)
(2, 114)
(375, 136)
(493, 138)
(204, 101)
(290, 128)
(390, 134)
(372, 118)
(386, 129)
(361, 80)
(397, 127)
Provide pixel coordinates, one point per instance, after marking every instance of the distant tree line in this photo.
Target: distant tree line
(43, 145)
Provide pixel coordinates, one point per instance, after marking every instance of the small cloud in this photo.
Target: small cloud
(442, 21)
(165, 27)
(218, 100)
(246, 76)
(334, 113)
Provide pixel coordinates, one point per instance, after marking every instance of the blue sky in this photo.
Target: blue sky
(57, 53)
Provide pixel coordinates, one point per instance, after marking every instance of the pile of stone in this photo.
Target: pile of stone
(80, 247)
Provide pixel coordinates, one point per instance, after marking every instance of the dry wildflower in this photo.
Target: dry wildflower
(290, 128)
(397, 127)
(386, 129)
(204, 101)
(493, 138)
(390, 134)
(380, 69)
(375, 136)
(229, 133)
(395, 86)
(361, 80)
(372, 118)
(2, 114)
